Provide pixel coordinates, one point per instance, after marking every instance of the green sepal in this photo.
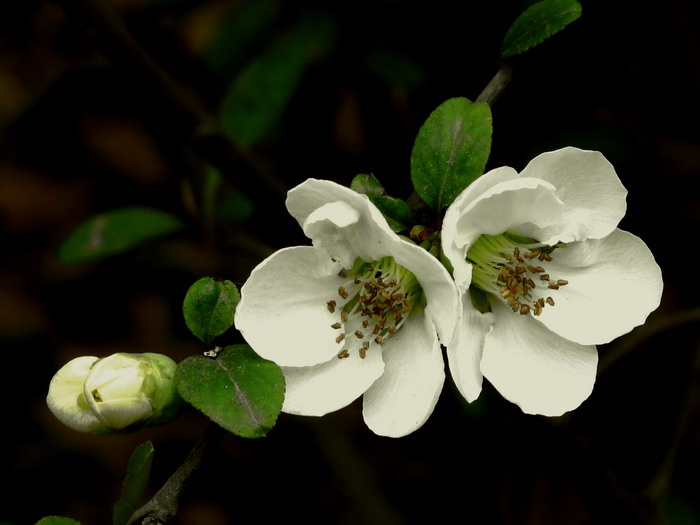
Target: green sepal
(209, 307)
(138, 470)
(117, 231)
(239, 390)
(451, 150)
(396, 211)
(537, 23)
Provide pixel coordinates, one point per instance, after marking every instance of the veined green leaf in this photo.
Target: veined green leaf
(238, 390)
(115, 232)
(451, 150)
(537, 23)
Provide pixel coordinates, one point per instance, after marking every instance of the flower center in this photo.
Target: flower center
(513, 268)
(373, 302)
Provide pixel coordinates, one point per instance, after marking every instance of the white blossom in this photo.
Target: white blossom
(544, 274)
(362, 312)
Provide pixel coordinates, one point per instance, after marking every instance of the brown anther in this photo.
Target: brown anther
(535, 269)
(365, 345)
(532, 255)
(363, 352)
(406, 307)
(538, 309)
(356, 281)
(553, 286)
(331, 306)
(342, 292)
(516, 252)
(546, 257)
(540, 301)
(376, 329)
(520, 270)
(544, 277)
(562, 282)
(515, 306)
(365, 323)
(398, 316)
(336, 325)
(524, 309)
(343, 354)
(344, 316)
(392, 330)
(512, 301)
(550, 301)
(397, 296)
(359, 334)
(379, 340)
(340, 338)
(506, 293)
(530, 283)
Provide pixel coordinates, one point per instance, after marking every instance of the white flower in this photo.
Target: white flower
(89, 394)
(361, 313)
(545, 275)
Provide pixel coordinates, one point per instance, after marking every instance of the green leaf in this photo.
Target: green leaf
(57, 520)
(209, 307)
(537, 23)
(451, 150)
(138, 471)
(238, 390)
(396, 211)
(238, 32)
(116, 232)
(258, 96)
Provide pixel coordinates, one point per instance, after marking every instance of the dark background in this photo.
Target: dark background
(85, 130)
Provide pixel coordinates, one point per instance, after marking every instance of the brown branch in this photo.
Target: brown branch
(209, 142)
(163, 506)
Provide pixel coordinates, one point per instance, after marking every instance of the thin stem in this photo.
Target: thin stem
(163, 506)
(496, 85)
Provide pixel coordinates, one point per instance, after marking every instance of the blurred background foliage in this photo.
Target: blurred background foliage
(209, 111)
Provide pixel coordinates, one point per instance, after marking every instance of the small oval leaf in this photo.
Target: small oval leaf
(138, 470)
(451, 150)
(537, 23)
(239, 390)
(115, 232)
(209, 307)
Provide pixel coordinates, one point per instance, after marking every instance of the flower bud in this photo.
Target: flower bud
(122, 391)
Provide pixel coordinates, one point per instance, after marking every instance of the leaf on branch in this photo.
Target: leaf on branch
(396, 211)
(451, 150)
(57, 520)
(256, 99)
(238, 390)
(537, 23)
(209, 307)
(115, 232)
(138, 471)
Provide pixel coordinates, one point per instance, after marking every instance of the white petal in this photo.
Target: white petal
(614, 283)
(592, 193)
(65, 389)
(465, 351)
(403, 398)
(455, 241)
(283, 311)
(365, 236)
(535, 368)
(330, 386)
(442, 296)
